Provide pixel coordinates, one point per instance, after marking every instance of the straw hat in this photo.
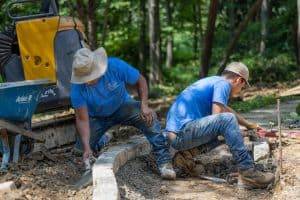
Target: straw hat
(88, 65)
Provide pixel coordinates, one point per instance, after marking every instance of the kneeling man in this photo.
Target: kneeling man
(100, 100)
(200, 114)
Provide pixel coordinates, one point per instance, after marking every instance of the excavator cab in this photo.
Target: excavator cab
(41, 46)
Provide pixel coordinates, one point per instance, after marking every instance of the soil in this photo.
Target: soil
(36, 177)
(289, 187)
(136, 180)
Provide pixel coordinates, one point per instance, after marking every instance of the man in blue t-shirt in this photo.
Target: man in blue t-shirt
(100, 100)
(200, 114)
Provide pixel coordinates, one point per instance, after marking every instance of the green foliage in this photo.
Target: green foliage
(124, 45)
(122, 39)
(160, 91)
(180, 76)
(257, 102)
(281, 67)
(182, 48)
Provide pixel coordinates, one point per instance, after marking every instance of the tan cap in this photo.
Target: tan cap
(240, 69)
(88, 65)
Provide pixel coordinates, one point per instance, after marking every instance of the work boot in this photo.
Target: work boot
(167, 172)
(253, 178)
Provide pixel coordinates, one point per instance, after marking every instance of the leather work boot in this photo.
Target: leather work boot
(253, 178)
(167, 172)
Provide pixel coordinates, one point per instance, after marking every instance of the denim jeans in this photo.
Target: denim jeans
(207, 129)
(129, 114)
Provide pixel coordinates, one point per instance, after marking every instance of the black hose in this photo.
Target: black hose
(8, 41)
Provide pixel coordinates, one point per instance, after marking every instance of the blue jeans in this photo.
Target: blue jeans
(207, 129)
(129, 114)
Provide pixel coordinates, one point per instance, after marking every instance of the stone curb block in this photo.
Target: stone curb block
(7, 186)
(104, 181)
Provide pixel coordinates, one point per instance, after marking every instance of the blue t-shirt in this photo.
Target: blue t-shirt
(196, 101)
(107, 95)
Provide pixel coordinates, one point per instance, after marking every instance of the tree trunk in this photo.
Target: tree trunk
(298, 33)
(92, 25)
(253, 10)
(208, 39)
(195, 34)
(295, 39)
(142, 40)
(198, 32)
(169, 59)
(81, 10)
(232, 17)
(200, 35)
(1, 3)
(105, 21)
(264, 19)
(154, 36)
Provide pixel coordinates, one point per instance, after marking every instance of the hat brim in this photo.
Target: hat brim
(98, 70)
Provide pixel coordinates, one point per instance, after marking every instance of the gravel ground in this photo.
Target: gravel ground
(36, 177)
(138, 182)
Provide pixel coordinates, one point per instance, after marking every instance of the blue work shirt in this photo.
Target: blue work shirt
(196, 101)
(109, 93)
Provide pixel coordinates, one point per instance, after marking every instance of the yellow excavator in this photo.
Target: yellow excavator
(41, 46)
(36, 53)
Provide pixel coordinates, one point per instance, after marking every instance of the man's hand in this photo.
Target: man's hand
(88, 158)
(147, 114)
(253, 126)
(82, 125)
(86, 154)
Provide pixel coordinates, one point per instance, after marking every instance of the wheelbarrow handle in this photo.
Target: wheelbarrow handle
(18, 130)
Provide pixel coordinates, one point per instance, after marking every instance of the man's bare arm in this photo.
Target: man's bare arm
(83, 127)
(142, 89)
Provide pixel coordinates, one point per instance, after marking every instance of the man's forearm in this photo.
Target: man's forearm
(143, 90)
(84, 132)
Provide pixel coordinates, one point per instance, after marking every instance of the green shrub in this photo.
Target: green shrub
(160, 91)
(182, 75)
(258, 102)
(280, 68)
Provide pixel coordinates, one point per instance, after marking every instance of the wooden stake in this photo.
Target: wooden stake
(280, 138)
